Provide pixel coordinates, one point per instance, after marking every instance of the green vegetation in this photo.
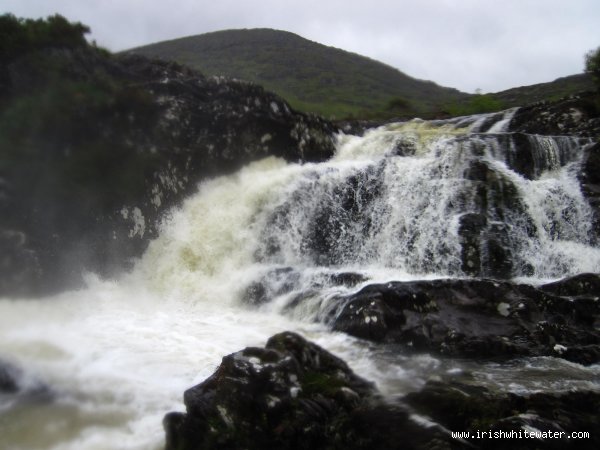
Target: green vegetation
(63, 127)
(480, 103)
(20, 36)
(66, 138)
(592, 65)
(552, 91)
(315, 383)
(310, 76)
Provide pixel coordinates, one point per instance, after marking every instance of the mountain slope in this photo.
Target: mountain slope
(554, 90)
(311, 76)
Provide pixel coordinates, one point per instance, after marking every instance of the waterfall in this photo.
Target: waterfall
(266, 248)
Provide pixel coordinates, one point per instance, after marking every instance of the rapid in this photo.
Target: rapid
(101, 366)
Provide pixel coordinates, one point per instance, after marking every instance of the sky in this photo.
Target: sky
(485, 45)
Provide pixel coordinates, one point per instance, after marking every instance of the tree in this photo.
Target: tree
(592, 65)
(20, 36)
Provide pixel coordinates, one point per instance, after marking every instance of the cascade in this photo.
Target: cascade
(270, 247)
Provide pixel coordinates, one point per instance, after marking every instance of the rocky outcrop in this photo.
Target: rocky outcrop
(577, 115)
(478, 318)
(96, 148)
(291, 394)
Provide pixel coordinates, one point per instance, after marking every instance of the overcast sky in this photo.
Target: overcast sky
(467, 44)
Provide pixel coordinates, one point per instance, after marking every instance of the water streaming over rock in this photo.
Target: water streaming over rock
(268, 248)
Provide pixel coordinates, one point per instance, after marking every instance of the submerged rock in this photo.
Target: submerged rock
(479, 318)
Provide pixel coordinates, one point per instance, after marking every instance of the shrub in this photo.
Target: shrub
(592, 65)
(19, 36)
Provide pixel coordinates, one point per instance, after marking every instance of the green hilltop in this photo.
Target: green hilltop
(310, 76)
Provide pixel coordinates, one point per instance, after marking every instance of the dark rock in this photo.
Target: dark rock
(347, 278)
(497, 252)
(365, 318)
(469, 230)
(9, 378)
(283, 280)
(486, 241)
(273, 284)
(475, 409)
(576, 115)
(291, 395)
(478, 318)
(332, 229)
(585, 284)
(359, 127)
(590, 183)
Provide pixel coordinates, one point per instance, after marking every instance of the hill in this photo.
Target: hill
(311, 76)
(554, 90)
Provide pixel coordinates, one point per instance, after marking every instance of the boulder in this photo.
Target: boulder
(9, 376)
(478, 318)
(292, 394)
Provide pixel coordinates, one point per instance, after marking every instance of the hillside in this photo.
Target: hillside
(554, 90)
(311, 76)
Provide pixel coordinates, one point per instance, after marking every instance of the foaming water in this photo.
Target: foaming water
(115, 358)
(106, 363)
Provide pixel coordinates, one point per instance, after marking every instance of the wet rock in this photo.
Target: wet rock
(590, 183)
(285, 280)
(9, 376)
(347, 278)
(485, 238)
(475, 409)
(274, 283)
(574, 115)
(291, 395)
(469, 230)
(477, 318)
(19, 262)
(366, 318)
(498, 256)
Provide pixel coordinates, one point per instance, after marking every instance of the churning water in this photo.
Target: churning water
(101, 366)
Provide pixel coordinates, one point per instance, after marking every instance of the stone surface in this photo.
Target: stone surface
(9, 375)
(590, 183)
(474, 409)
(575, 115)
(478, 318)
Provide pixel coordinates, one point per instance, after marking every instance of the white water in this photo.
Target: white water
(118, 355)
